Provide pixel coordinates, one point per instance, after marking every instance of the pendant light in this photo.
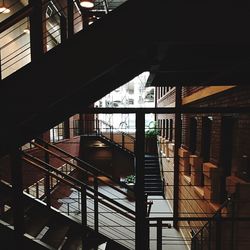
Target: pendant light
(3, 8)
(87, 3)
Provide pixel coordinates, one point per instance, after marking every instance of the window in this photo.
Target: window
(59, 132)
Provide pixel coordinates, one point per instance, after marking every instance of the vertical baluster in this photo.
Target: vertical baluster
(84, 206)
(201, 246)
(47, 178)
(232, 224)
(96, 204)
(37, 190)
(123, 140)
(17, 195)
(159, 234)
(218, 233)
(209, 235)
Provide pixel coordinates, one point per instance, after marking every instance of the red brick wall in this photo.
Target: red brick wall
(30, 173)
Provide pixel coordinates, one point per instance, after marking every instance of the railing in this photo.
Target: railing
(29, 31)
(209, 236)
(94, 205)
(82, 166)
(109, 132)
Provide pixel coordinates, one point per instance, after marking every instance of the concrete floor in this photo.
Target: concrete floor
(120, 228)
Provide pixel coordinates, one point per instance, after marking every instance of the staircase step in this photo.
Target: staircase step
(153, 184)
(35, 221)
(154, 192)
(76, 240)
(8, 217)
(56, 234)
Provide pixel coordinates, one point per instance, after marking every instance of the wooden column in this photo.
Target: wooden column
(177, 142)
(140, 203)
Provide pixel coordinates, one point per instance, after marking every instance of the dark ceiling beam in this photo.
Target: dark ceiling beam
(193, 22)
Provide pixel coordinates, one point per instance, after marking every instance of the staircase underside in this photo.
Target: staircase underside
(180, 43)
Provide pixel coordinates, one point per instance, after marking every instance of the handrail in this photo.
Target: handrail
(75, 181)
(85, 163)
(121, 132)
(16, 17)
(79, 168)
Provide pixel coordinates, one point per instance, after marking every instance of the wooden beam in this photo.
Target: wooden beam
(207, 91)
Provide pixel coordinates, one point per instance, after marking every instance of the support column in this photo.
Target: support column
(70, 22)
(17, 195)
(36, 29)
(140, 203)
(63, 28)
(177, 142)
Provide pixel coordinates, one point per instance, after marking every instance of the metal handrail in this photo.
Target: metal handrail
(76, 184)
(91, 167)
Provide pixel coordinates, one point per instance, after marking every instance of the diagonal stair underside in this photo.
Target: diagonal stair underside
(73, 75)
(112, 51)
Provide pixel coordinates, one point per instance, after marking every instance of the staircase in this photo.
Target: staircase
(153, 180)
(53, 230)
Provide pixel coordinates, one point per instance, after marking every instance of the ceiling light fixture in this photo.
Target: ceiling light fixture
(4, 9)
(87, 3)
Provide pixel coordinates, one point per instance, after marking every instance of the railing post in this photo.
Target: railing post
(47, 179)
(140, 203)
(96, 210)
(123, 140)
(209, 236)
(17, 195)
(159, 234)
(36, 30)
(84, 206)
(233, 223)
(218, 232)
(63, 28)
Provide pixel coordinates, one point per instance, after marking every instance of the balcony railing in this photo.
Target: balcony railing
(31, 30)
